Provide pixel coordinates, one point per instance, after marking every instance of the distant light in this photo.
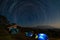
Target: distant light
(42, 36)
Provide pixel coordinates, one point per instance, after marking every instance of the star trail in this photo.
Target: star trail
(31, 12)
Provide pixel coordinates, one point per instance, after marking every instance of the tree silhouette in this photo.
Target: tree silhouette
(3, 20)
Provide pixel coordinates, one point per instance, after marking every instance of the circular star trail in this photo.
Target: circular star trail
(25, 12)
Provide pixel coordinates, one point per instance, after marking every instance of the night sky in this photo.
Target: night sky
(32, 12)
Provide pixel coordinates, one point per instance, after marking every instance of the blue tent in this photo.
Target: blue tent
(42, 36)
(13, 30)
(29, 34)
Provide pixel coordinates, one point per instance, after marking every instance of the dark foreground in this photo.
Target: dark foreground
(4, 35)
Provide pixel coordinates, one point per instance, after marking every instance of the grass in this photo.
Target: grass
(4, 35)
